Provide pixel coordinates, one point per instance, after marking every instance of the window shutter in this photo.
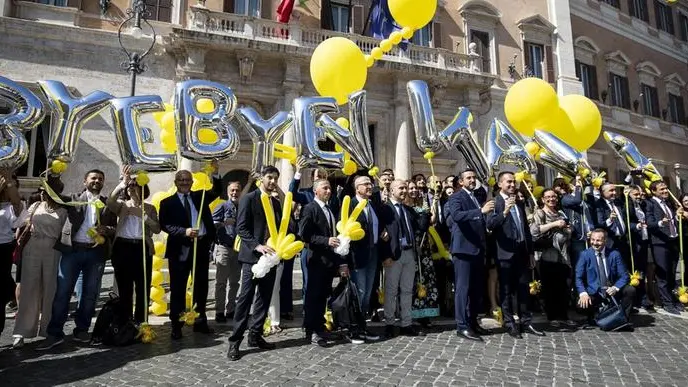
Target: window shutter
(357, 19)
(228, 6)
(631, 9)
(549, 59)
(74, 4)
(594, 90)
(436, 34)
(578, 71)
(655, 102)
(326, 20)
(266, 11)
(670, 17)
(681, 111)
(626, 97)
(658, 19)
(526, 56)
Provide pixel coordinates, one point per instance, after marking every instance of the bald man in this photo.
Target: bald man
(179, 215)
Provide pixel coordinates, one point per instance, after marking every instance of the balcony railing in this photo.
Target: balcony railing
(251, 28)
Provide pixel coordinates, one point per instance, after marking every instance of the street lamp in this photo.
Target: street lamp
(134, 65)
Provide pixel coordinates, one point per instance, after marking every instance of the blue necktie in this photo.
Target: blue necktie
(517, 221)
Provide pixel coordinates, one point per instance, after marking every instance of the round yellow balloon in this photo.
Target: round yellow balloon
(585, 118)
(386, 45)
(343, 122)
(532, 148)
(338, 68)
(205, 105)
(412, 13)
(527, 104)
(158, 263)
(158, 308)
(159, 246)
(207, 136)
(370, 61)
(395, 37)
(167, 121)
(157, 293)
(168, 141)
(156, 278)
(559, 124)
(407, 32)
(376, 53)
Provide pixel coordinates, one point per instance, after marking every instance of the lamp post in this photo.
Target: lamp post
(134, 65)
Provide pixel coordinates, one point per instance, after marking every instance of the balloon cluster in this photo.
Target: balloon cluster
(157, 293)
(349, 229)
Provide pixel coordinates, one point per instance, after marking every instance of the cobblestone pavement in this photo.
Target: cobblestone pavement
(652, 355)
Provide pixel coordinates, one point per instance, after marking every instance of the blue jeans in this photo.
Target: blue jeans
(92, 263)
(364, 278)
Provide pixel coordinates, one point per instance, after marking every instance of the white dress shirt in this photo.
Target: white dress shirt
(517, 220)
(8, 221)
(194, 213)
(130, 228)
(670, 215)
(90, 219)
(328, 214)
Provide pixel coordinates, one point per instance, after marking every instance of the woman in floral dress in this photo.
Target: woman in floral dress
(425, 297)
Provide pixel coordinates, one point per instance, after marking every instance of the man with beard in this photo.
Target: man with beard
(81, 252)
(252, 228)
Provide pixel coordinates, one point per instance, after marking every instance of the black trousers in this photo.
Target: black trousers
(666, 259)
(179, 275)
(514, 276)
(641, 251)
(250, 287)
(128, 264)
(286, 287)
(624, 297)
(7, 285)
(469, 277)
(318, 291)
(555, 289)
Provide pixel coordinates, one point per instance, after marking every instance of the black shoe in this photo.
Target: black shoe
(390, 332)
(411, 331)
(230, 316)
(469, 334)
(531, 329)
(220, 318)
(481, 331)
(233, 351)
(202, 327)
(634, 310)
(176, 332)
(318, 340)
(515, 333)
(259, 341)
(649, 308)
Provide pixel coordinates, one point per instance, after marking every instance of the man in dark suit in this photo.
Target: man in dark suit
(662, 225)
(579, 208)
(179, 216)
(365, 253)
(600, 272)
(468, 238)
(402, 224)
(81, 254)
(317, 228)
(640, 242)
(514, 256)
(611, 216)
(252, 228)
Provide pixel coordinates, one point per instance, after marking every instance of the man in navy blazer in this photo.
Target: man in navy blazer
(509, 226)
(600, 272)
(178, 218)
(611, 216)
(467, 226)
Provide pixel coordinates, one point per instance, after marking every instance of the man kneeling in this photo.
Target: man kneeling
(601, 273)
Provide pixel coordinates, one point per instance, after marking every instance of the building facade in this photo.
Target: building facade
(469, 54)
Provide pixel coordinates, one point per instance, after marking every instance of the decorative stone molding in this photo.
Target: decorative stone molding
(438, 91)
(536, 29)
(246, 61)
(648, 73)
(585, 50)
(674, 84)
(480, 13)
(617, 63)
(190, 62)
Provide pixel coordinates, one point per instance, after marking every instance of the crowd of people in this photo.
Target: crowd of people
(584, 244)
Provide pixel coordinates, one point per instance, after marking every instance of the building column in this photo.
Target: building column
(292, 87)
(402, 155)
(560, 16)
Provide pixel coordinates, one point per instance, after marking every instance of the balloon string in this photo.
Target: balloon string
(145, 268)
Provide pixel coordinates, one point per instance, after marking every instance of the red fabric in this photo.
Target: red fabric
(284, 10)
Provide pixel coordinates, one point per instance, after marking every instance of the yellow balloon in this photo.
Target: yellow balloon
(376, 53)
(156, 278)
(386, 45)
(370, 61)
(412, 13)
(167, 121)
(58, 166)
(159, 246)
(343, 122)
(207, 136)
(395, 37)
(205, 105)
(168, 141)
(159, 308)
(537, 191)
(201, 181)
(559, 124)
(407, 32)
(158, 263)
(155, 201)
(532, 148)
(350, 167)
(157, 293)
(213, 205)
(527, 104)
(585, 118)
(357, 235)
(338, 68)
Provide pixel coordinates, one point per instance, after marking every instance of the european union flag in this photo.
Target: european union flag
(382, 23)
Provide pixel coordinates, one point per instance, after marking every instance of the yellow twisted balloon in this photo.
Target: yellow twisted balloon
(348, 226)
(285, 245)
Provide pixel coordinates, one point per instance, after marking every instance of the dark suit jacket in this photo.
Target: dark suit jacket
(504, 229)
(467, 224)
(174, 222)
(572, 204)
(654, 214)
(360, 250)
(418, 223)
(252, 226)
(588, 278)
(633, 218)
(315, 232)
(603, 211)
(304, 196)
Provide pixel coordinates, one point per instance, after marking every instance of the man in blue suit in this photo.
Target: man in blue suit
(600, 272)
(467, 226)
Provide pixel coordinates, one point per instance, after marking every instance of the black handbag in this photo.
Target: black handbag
(346, 310)
(611, 316)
